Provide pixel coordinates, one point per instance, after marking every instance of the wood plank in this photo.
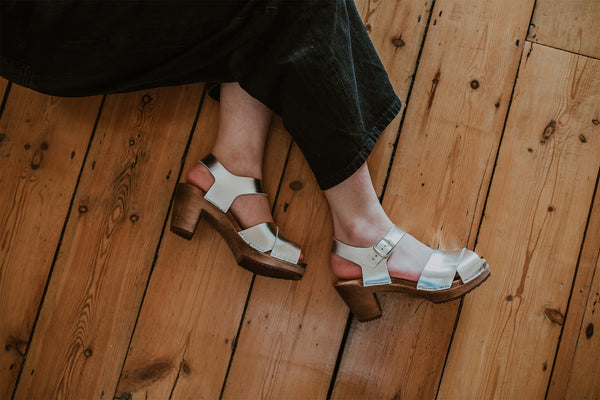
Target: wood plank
(437, 186)
(43, 141)
(187, 353)
(291, 330)
(584, 382)
(94, 294)
(3, 85)
(572, 25)
(532, 236)
(396, 29)
(575, 373)
(305, 320)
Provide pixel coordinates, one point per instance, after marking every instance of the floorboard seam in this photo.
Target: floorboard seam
(5, 97)
(241, 324)
(487, 196)
(338, 360)
(235, 340)
(346, 333)
(563, 50)
(408, 94)
(181, 166)
(585, 231)
(58, 245)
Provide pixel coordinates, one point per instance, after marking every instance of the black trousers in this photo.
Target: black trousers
(310, 61)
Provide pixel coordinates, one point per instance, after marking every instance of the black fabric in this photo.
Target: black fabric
(311, 62)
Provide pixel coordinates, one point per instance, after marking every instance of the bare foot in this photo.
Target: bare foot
(407, 260)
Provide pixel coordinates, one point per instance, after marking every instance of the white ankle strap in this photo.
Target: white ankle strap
(374, 271)
(227, 186)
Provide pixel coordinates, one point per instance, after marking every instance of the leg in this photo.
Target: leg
(239, 148)
(359, 220)
(243, 126)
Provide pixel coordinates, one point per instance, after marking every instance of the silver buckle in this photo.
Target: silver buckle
(383, 248)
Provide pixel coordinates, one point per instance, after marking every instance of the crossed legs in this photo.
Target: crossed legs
(358, 218)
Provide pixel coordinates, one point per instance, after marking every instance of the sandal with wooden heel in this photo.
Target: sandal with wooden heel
(446, 276)
(249, 246)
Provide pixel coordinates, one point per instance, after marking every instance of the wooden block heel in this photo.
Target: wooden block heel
(361, 300)
(187, 208)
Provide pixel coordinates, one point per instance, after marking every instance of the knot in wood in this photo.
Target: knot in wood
(475, 84)
(555, 316)
(549, 130)
(398, 42)
(36, 161)
(296, 185)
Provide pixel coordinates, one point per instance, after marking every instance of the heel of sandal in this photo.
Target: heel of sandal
(361, 301)
(187, 208)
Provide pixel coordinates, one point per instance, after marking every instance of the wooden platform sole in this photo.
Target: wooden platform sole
(189, 206)
(365, 306)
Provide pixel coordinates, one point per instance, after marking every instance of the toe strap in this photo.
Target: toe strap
(286, 250)
(442, 266)
(470, 265)
(265, 237)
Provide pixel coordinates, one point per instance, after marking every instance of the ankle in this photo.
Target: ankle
(362, 231)
(240, 163)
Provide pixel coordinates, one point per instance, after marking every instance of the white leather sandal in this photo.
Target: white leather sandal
(260, 248)
(446, 276)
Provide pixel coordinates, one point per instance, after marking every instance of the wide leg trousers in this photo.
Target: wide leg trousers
(310, 61)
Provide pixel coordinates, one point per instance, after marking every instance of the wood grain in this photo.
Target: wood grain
(43, 141)
(3, 85)
(292, 331)
(186, 352)
(575, 373)
(94, 294)
(548, 163)
(572, 25)
(583, 378)
(437, 186)
(396, 29)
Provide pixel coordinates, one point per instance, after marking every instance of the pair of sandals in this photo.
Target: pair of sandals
(262, 250)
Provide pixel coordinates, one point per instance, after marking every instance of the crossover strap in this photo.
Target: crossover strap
(470, 265)
(227, 186)
(374, 271)
(442, 267)
(265, 237)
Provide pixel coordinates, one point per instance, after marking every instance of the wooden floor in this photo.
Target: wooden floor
(497, 149)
